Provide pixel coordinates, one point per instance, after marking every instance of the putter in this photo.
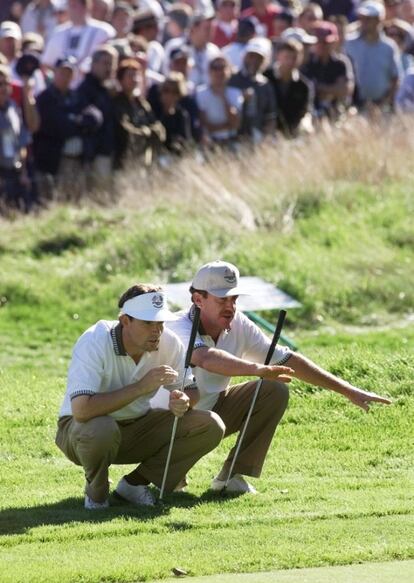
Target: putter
(275, 339)
(187, 363)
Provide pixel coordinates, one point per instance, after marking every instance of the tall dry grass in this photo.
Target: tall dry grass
(265, 186)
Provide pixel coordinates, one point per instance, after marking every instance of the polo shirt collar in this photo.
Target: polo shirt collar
(117, 343)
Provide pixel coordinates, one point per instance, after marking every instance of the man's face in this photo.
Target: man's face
(63, 78)
(9, 46)
(103, 67)
(216, 312)
(253, 62)
(287, 60)
(140, 335)
(369, 24)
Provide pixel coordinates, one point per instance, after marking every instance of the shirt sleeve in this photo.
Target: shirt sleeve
(86, 369)
(257, 345)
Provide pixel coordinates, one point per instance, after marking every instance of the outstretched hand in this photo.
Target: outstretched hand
(364, 399)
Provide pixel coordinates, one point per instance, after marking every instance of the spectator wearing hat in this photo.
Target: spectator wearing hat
(301, 36)
(146, 24)
(345, 8)
(14, 183)
(220, 105)
(138, 135)
(375, 58)
(39, 16)
(79, 38)
(57, 145)
(282, 21)
(10, 41)
(293, 91)
(235, 51)
(224, 25)
(330, 72)
(402, 34)
(310, 14)
(259, 111)
(265, 12)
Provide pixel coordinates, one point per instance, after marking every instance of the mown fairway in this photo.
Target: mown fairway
(338, 484)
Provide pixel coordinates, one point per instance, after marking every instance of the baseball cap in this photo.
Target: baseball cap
(182, 52)
(325, 31)
(298, 34)
(219, 278)
(151, 306)
(67, 63)
(10, 29)
(372, 9)
(260, 46)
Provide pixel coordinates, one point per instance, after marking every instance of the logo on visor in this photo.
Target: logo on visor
(229, 276)
(158, 301)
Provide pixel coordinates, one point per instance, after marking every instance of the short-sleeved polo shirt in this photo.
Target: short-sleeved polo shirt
(100, 364)
(243, 340)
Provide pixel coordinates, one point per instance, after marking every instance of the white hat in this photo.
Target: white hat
(151, 306)
(9, 29)
(260, 46)
(218, 278)
(372, 9)
(299, 34)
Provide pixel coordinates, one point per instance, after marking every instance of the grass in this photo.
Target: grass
(337, 486)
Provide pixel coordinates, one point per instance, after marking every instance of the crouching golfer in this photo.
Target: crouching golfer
(105, 418)
(228, 345)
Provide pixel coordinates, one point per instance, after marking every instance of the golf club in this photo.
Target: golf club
(187, 363)
(276, 336)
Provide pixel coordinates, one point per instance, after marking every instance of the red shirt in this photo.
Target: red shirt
(219, 35)
(266, 19)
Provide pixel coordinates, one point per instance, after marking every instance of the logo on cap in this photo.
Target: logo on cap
(158, 301)
(229, 276)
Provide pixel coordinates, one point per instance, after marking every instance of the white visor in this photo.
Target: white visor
(151, 306)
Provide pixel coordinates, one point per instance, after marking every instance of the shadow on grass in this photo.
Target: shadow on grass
(70, 510)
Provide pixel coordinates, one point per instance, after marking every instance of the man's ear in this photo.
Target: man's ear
(124, 319)
(197, 299)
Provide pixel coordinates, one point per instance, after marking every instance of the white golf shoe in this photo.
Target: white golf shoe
(138, 495)
(238, 484)
(92, 505)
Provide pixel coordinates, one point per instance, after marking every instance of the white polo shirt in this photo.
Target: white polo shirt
(244, 340)
(100, 365)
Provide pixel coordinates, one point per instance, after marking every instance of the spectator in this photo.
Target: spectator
(405, 95)
(40, 17)
(259, 112)
(146, 25)
(122, 20)
(77, 38)
(220, 105)
(402, 34)
(392, 9)
(331, 73)
(345, 8)
(265, 12)
(234, 52)
(99, 147)
(281, 22)
(57, 145)
(200, 47)
(301, 36)
(375, 58)
(224, 26)
(177, 21)
(102, 10)
(310, 14)
(294, 93)
(10, 41)
(173, 116)
(137, 132)
(14, 182)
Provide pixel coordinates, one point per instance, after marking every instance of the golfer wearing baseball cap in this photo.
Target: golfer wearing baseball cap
(106, 416)
(229, 345)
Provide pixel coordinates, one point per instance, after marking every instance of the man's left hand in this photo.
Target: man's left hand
(179, 403)
(364, 399)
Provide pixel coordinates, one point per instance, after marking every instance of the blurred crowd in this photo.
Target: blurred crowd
(88, 87)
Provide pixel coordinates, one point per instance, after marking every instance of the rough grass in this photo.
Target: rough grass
(330, 222)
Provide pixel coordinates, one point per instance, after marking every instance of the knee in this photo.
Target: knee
(217, 427)
(276, 394)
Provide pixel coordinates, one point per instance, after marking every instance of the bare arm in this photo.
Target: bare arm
(308, 371)
(85, 407)
(31, 115)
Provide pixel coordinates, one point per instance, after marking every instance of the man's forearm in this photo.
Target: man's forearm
(308, 371)
(221, 362)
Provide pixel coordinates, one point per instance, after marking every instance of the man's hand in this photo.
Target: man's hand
(161, 375)
(364, 399)
(179, 403)
(276, 373)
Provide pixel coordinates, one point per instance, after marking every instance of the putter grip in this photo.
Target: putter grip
(276, 335)
(194, 331)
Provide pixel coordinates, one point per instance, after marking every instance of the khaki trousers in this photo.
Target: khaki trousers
(102, 441)
(233, 406)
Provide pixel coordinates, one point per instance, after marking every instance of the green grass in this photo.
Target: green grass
(337, 486)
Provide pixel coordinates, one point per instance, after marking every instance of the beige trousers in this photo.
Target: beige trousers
(233, 406)
(102, 441)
